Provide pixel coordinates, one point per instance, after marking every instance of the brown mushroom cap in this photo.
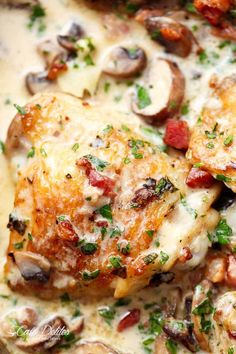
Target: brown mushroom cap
(93, 348)
(174, 36)
(165, 89)
(19, 3)
(32, 266)
(68, 41)
(37, 82)
(125, 62)
(49, 50)
(45, 336)
(3, 348)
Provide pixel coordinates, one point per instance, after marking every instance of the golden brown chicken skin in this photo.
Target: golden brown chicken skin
(91, 202)
(212, 143)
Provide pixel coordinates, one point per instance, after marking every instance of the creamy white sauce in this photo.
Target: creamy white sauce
(18, 56)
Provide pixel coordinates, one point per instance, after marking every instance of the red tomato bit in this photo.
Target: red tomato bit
(177, 134)
(129, 319)
(198, 178)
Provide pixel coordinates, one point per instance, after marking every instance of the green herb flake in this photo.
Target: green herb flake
(223, 178)
(223, 232)
(164, 257)
(106, 212)
(19, 330)
(88, 60)
(31, 152)
(143, 97)
(30, 237)
(171, 346)
(107, 312)
(150, 233)
(231, 350)
(107, 86)
(210, 145)
(89, 248)
(86, 275)
(115, 262)
(2, 147)
(185, 109)
(43, 152)
(21, 110)
(75, 147)
(229, 140)
(18, 245)
(124, 301)
(99, 164)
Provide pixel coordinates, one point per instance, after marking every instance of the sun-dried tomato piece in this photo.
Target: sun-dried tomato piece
(131, 318)
(212, 10)
(198, 178)
(177, 134)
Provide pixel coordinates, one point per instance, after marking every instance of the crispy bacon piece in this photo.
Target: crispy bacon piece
(57, 66)
(129, 319)
(212, 10)
(230, 278)
(177, 134)
(198, 178)
(65, 231)
(143, 196)
(186, 255)
(96, 179)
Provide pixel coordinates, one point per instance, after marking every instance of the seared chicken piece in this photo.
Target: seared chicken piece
(213, 144)
(98, 209)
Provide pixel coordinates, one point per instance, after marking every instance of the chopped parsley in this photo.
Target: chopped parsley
(75, 147)
(36, 16)
(164, 257)
(107, 86)
(21, 110)
(171, 346)
(19, 330)
(108, 313)
(88, 60)
(143, 97)
(106, 212)
(98, 163)
(185, 109)
(43, 152)
(18, 245)
(86, 275)
(89, 248)
(229, 140)
(125, 250)
(150, 233)
(2, 147)
(65, 297)
(115, 262)
(124, 301)
(223, 178)
(222, 233)
(31, 152)
(189, 209)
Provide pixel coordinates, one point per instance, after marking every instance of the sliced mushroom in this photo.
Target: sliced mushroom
(68, 41)
(19, 3)
(32, 266)
(181, 332)
(125, 62)
(25, 317)
(174, 36)
(45, 336)
(164, 93)
(37, 82)
(93, 348)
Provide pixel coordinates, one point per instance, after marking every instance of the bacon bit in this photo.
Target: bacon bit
(199, 179)
(101, 223)
(129, 319)
(177, 134)
(230, 278)
(212, 10)
(142, 197)
(56, 67)
(216, 268)
(65, 231)
(186, 255)
(96, 179)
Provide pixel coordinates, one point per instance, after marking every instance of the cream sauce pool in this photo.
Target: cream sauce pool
(18, 56)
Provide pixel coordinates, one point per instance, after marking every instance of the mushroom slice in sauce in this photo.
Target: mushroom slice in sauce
(174, 36)
(33, 267)
(19, 3)
(125, 62)
(3, 348)
(37, 82)
(46, 335)
(25, 317)
(164, 93)
(68, 41)
(94, 348)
